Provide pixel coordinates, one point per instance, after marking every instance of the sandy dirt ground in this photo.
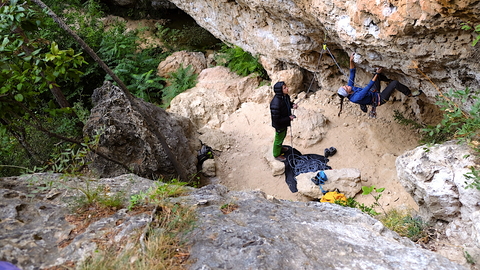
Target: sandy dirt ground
(371, 145)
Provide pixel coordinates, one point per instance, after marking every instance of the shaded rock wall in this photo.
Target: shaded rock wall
(395, 35)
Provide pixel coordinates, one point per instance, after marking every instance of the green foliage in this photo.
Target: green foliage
(136, 68)
(474, 177)
(99, 196)
(401, 119)
(169, 37)
(30, 66)
(33, 148)
(81, 112)
(469, 258)
(157, 195)
(403, 223)
(70, 160)
(73, 160)
(463, 125)
(368, 209)
(179, 81)
(351, 202)
(476, 29)
(240, 61)
(376, 193)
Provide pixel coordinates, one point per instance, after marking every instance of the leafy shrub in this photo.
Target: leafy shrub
(403, 223)
(457, 123)
(136, 68)
(474, 176)
(240, 61)
(179, 81)
(33, 148)
(158, 194)
(368, 209)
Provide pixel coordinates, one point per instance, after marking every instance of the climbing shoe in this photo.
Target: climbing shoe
(328, 152)
(363, 107)
(284, 149)
(280, 158)
(333, 150)
(416, 93)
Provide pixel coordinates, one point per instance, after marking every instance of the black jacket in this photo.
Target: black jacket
(280, 108)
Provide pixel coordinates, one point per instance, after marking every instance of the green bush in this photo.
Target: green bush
(179, 81)
(403, 223)
(376, 193)
(240, 61)
(34, 148)
(457, 123)
(474, 177)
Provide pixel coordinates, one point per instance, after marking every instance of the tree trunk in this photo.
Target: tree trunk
(182, 173)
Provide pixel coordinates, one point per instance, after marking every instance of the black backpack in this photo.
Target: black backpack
(205, 153)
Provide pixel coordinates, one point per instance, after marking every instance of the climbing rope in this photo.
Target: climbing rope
(326, 49)
(303, 164)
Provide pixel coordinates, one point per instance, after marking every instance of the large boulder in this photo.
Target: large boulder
(266, 233)
(218, 93)
(182, 59)
(126, 137)
(435, 177)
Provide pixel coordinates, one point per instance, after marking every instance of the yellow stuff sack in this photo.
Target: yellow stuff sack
(333, 196)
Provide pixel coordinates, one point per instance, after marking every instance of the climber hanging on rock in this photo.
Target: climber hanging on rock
(370, 94)
(281, 113)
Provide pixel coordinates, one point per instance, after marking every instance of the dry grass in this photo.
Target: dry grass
(158, 246)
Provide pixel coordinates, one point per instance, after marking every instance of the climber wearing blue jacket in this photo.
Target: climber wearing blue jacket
(370, 94)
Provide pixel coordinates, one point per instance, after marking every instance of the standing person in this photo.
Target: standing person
(281, 112)
(370, 94)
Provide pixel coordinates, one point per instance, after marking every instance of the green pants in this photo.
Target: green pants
(277, 143)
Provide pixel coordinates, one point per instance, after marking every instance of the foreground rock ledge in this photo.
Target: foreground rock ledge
(262, 233)
(274, 234)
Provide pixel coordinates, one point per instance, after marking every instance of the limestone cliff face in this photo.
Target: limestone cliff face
(396, 35)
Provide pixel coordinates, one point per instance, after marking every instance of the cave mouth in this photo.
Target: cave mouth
(191, 35)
